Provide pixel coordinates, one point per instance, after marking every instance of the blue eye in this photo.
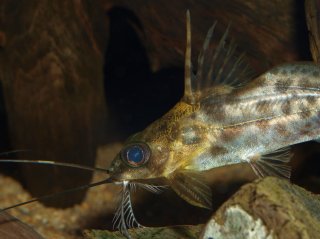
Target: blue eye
(136, 154)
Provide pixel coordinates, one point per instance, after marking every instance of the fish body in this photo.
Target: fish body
(277, 109)
(225, 117)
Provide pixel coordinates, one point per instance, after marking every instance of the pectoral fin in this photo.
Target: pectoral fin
(189, 186)
(272, 164)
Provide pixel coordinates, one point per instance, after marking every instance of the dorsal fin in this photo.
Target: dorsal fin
(220, 65)
(188, 74)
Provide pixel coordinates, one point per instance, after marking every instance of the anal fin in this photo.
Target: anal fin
(273, 163)
(189, 186)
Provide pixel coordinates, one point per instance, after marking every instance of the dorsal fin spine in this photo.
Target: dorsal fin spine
(188, 66)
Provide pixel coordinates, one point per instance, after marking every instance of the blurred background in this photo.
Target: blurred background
(78, 77)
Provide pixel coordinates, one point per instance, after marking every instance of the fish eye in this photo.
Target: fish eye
(136, 154)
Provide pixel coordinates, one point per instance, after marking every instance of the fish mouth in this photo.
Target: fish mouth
(115, 180)
(118, 180)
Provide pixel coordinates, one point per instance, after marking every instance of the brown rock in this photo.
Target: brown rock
(267, 31)
(313, 17)
(268, 208)
(12, 228)
(175, 232)
(51, 75)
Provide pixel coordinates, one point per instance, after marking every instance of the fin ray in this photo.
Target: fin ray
(189, 186)
(225, 65)
(272, 164)
(220, 65)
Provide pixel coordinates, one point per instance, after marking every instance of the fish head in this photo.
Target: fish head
(154, 152)
(138, 160)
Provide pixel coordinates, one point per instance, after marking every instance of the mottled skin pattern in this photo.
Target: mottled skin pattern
(277, 109)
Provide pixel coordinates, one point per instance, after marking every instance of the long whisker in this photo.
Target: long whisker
(58, 194)
(71, 165)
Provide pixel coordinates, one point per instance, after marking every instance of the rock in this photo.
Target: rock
(312, 16)
(267, 208)
(175, 232)
(52, 83)
(12, 228)
(265, 41)
(238, 224)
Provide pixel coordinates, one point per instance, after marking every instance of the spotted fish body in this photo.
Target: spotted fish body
(224, 118)
(278, 109)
